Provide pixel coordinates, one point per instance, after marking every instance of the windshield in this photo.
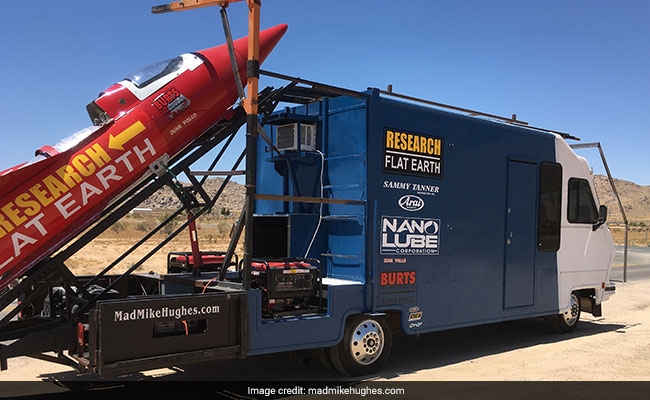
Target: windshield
(74, 139)
(151, 73)
(67, 143)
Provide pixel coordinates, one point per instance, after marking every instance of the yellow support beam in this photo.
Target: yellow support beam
(190, 5)
(250, 105)
(251, 99)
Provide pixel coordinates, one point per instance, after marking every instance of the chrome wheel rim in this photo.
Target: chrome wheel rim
(367, 342)
(571, 315)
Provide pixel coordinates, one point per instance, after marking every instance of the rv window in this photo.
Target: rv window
(582, 208)
(550, 202)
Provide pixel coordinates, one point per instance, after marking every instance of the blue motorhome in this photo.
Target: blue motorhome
(453, 221)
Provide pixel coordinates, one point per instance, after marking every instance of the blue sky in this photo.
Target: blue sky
(581, 66)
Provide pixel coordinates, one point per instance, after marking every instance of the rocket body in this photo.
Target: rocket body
(154, 113)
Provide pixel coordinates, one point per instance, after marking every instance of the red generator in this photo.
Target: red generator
(179, 262)
(289, 285)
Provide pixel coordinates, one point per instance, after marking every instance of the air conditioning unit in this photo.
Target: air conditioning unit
(287, 137)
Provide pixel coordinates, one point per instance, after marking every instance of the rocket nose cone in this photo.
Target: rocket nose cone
(219, 59)
(269, 38)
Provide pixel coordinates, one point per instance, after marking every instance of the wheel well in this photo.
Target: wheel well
(393, 317)
(585, 293)
(587, 298)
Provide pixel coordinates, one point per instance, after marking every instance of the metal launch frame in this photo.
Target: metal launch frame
(35, 335)
(38, 334)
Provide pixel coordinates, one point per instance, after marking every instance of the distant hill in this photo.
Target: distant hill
(231, 198)
(635, 198)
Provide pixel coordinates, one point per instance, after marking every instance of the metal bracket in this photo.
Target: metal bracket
(231, 52)
(618, 198)
(159, 167)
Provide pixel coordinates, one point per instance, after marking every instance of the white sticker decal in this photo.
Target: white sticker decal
(409, 236)
(411, 203)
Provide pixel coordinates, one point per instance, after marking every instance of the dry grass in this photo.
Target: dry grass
(636, 236)
(213, 235)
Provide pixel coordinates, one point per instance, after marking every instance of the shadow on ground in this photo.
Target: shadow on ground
(408, 355)
(439, 349)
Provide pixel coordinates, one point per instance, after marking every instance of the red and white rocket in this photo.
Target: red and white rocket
(154, 113)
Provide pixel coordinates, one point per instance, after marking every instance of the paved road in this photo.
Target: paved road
(638, 262)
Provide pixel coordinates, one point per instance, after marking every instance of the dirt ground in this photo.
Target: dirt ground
(615, 347)
(637, 236)
(94, 257)
(213, 235)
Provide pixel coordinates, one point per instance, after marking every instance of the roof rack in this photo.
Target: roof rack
(298, 94)
(512, 121)
(317, 90)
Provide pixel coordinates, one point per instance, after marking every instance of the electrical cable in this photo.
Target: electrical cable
(320, 213)
(209, 283)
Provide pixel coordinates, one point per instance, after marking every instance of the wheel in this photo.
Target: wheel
(365, 346)
(567, 321)
(324, 358)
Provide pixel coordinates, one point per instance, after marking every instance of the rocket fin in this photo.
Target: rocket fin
(11, 180)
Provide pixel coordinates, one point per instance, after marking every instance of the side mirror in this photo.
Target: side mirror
(602, 217)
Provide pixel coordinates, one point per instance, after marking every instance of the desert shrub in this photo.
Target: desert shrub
(172, 225)
(223, 227)
(145, 226)
(118, 227)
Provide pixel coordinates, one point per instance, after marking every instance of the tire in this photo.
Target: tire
(568, 320)
(365, 346)
(324, 358)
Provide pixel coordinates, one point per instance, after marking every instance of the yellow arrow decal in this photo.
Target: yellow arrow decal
(117, 142)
